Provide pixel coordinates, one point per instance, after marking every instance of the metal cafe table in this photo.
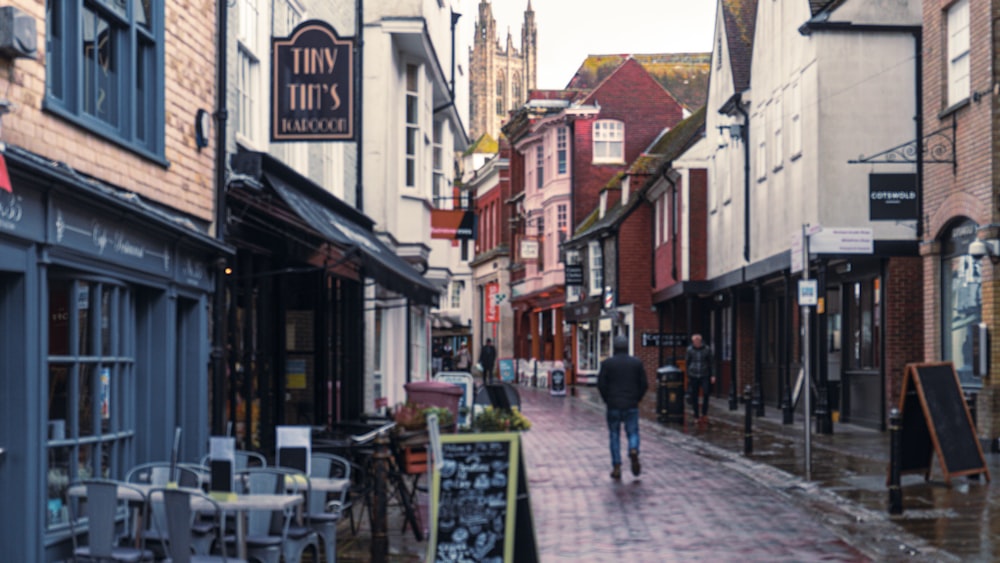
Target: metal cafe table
(238, 504)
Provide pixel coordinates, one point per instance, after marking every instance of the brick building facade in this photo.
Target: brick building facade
(108, 255)
(961, 196)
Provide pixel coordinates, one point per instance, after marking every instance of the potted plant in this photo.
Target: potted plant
(410, 416)
(491, 419)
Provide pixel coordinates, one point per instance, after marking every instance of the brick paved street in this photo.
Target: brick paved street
(683, 507)
(693, 502)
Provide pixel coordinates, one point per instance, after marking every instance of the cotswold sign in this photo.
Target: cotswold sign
(312, 86)
(892, 197)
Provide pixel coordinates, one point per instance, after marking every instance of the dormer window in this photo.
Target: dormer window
(604, 205)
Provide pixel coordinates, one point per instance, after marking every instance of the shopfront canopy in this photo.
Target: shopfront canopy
(379, 261)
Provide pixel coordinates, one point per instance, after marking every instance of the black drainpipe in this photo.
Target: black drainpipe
(454, 24)
(746, 177)
(359, 25)
(673, 226)
(219, 297)
(409, 343)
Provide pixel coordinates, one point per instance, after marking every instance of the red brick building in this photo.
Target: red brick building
(568, 145)
(960, 194)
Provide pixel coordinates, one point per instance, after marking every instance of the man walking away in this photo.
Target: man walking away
(487, 359)
(622, 383)
(698, 360)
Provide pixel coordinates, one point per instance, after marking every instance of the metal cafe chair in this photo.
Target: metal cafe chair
(270, 535)
(158, 473)
(244, 459)
(101, 510)
(175, 524)
(323, 512)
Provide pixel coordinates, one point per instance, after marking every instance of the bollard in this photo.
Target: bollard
(380, 501)
(747, 422)
(895, 459)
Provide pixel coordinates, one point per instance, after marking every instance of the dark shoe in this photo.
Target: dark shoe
(634, 456)
(616, 472)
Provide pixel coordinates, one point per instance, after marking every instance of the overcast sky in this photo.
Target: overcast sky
(570, 30)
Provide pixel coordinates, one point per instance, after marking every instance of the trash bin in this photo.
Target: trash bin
(670, 394)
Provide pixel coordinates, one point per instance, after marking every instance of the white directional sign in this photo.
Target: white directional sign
(842, 240)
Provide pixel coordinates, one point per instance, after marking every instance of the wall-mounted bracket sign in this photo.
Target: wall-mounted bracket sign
(312, 87)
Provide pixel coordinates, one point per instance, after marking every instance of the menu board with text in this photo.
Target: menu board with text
(474, 498)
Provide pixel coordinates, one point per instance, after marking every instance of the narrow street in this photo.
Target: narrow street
(693, 501)
(685, 506)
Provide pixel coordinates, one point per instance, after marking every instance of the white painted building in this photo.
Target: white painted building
(411, 131)
(807, 99)
(402, 159)
(818, 97)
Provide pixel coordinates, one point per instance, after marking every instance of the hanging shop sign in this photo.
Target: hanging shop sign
(529, 249)
(491, 307)
(892, 197)
(312, 87)
(453, 224)
(574, 274)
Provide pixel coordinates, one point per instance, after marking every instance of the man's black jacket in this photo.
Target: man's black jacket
(622, 381)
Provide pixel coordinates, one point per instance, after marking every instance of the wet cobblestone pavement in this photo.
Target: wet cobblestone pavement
(700, 499)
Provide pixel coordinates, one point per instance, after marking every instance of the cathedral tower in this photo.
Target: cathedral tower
(500, 76)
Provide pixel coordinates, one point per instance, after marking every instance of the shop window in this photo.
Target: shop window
(863, 301)
(104, 69)
(586, 347)
(961, 301)
(91, 383)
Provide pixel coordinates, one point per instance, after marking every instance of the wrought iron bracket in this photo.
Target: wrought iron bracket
(938, 147)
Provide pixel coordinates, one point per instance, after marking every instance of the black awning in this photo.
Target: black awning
(380, 262)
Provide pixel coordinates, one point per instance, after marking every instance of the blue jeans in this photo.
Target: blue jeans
(630, 417)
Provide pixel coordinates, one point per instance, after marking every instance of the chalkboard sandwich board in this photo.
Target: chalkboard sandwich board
(477, 513)
(936, 419)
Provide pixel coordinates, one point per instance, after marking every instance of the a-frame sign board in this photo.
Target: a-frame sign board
(935, 419)
(480, 508)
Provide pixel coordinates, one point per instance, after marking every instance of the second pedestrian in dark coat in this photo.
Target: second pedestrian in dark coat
(701, 376)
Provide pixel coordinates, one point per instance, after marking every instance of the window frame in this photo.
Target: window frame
(439, 198)
(608, 134)
(562, 151)
(777, 120)
(795, 142)
(957, 48)
(89, 348)
(136, 119)
(595, 266)
(411, 136)
(539, 167)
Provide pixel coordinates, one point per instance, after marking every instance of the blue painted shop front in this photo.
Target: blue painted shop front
(104, 342)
